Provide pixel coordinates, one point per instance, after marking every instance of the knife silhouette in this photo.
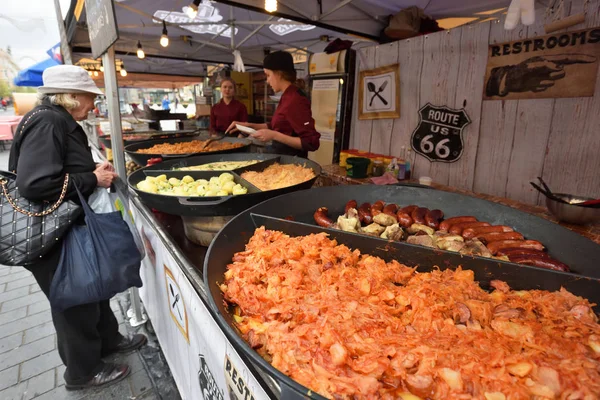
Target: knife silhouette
(371, 88)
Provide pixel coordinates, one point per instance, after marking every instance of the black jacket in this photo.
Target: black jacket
(51, 144)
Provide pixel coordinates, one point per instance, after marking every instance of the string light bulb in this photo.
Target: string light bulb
(270, 5)
(192, 10)
(89, 73)
(164, 39)
(95, 73)
(140, 51)
(101, 68)
(123, 71)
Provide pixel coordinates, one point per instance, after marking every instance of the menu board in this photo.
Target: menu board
(102, 25)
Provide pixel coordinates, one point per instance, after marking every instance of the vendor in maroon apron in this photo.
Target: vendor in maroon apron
(292, 128)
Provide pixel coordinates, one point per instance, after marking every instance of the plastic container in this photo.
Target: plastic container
(425, 180)
(343, 157)
(358, 167)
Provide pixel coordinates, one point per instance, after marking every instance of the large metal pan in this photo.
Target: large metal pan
(217, 206)
(135, 137)
(142, 159)
(565, 244)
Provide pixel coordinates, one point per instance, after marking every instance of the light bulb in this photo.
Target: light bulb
(95, 73)
(102, 68)
(164, 40)
(90, 73)
(270, 5)
(140, 51)
(192, 9)
(123, 72)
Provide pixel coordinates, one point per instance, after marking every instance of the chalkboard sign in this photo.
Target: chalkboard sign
(438, 137)
(102, 25)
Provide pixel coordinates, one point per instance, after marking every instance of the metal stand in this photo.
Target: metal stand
(137, 317)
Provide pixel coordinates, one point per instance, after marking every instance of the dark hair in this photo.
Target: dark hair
(289, 76)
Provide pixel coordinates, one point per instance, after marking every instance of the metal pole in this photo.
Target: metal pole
(64, 43)
(116, 139)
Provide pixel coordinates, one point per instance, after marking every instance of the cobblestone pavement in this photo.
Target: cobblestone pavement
(30, 367)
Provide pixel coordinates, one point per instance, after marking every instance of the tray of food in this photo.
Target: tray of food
(188, 187)
(134, 137)
(337, 314)
(141, 152)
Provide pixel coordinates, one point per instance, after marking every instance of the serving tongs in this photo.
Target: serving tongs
(546, 191)
(212, 140)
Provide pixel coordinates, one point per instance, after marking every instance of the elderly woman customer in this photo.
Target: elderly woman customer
(50, 143)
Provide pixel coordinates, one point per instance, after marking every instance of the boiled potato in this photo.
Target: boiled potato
(187, 179)
(239, 189)
(215, 181)
(228, 186)
(174, 182)
(202, 182)
(162, 177)
(210, 193)
(222, 193)
(151, 178)
(226, 177)
(222, 185)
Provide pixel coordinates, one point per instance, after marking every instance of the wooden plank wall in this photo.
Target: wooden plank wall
(509, 142)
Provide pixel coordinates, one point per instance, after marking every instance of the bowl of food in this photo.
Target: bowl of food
(570, 210)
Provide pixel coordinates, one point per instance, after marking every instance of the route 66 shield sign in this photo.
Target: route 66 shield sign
(438, 137)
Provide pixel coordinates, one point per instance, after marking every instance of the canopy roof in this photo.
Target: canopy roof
(32, 76)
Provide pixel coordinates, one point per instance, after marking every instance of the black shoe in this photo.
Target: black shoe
(110, 373)
(127, 345)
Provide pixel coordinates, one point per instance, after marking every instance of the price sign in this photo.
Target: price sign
(438, 137)
(102, 25)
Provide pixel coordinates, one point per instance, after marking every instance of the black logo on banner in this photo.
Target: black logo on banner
(438, 137)
(208, 385)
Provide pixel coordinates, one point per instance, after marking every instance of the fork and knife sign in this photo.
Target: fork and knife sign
(376, 92)
(176, 297)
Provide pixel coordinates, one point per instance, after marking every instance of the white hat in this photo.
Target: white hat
(67, 79)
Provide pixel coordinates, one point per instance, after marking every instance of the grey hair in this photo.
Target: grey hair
(65, 100)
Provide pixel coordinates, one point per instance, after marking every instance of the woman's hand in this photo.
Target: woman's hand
(107, 166)
(232, 128)
(105, 175)
(265, 135)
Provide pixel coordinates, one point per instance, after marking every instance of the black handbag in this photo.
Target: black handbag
(28, 229)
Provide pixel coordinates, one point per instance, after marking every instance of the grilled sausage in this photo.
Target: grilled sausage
(409, 209)
(494, 237)
(377, 208)
(391, 210)
(495, 247)
(349, 205)
(321, 217)
(364, 213)
(540, 262)
(517, 251)
(446, 224)
(404, 219)
(418, 215)
(457, 229)
(433, 218)
(470, 233)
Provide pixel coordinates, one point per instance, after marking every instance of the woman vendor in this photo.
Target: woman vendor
(292, 128)
(228, 109)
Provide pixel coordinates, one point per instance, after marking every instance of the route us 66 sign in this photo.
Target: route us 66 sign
(438, 137)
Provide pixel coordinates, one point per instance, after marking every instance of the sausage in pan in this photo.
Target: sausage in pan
(418, 215)
(495, 247)
(517, 251)
(409, 209)
(404, 219)
(540, 262)
(364, 213)
(349, 205)
(457, 229)
(470, 233)
(321, 217)
(494, 237)
(391, 210)
(433, 218)
(446, 224)
(377, 208)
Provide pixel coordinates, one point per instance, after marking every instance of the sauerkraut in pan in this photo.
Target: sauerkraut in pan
(351, 326)
(277, 176)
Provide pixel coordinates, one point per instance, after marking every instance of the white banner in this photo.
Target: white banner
(202, 361)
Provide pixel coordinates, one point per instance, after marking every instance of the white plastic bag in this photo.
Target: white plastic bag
(101, 202)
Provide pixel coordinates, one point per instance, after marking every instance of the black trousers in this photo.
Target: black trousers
(84, 333)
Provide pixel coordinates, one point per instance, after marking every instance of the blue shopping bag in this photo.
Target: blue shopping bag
(97, 261)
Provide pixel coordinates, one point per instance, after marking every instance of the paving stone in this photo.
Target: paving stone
(40, 364)
(34, 288)
(13, 294)
(11, 342)
(12, 315)
(24, 323)
(38, 332)
(132, 359)
(39, 385)
(14, 392)
(140, 382)
(4, 272)
(60, 375)
(150, 395)
(9, 377)
(38, 307)
(2, 287)
(22, 301)
(15, 276)
(60, 393)
(29, 280)
(27, 352)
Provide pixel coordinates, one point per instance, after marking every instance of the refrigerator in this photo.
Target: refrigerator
(331, 90)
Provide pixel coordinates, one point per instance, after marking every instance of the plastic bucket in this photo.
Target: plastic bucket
(358, 167)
